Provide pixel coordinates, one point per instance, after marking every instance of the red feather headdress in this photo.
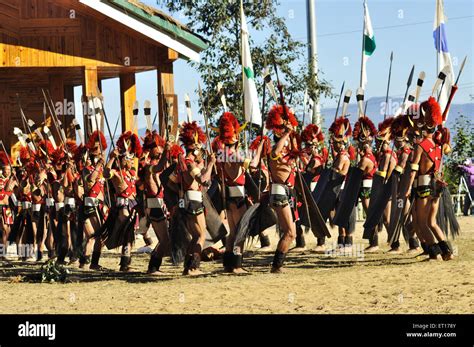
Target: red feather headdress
(276, 122)
(175, 151)
(95, 138)
(152, 140)
(363, 129)
(340, 129)
(129, 143)
(399, 128)
(430, 111)
(229, 128)
(58, 155)
(191, 134)
(25, 154)
(311, 134)
(4, 158)
(45, 149)
(384, 129)
(266, 145)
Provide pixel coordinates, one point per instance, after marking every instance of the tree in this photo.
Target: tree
(462, 148)
(219, 22)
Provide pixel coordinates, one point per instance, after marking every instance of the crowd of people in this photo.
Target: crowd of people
(71, 201)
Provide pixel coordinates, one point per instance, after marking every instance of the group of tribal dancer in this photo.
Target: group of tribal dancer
(72, 201)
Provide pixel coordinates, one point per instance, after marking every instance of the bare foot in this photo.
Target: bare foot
(320, 249)
(395, 251)
(239, 271)
(298, 249)
(371, 249)
(96, 267)
(448, 256)
(193, 272)
(157, 273)
(437, 257)
(277, 270)
(413, 250)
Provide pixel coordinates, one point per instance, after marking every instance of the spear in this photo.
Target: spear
(419, 84)
(409, 81)
(454, 88)
(402, 109)
(339, 101)
(440, 80)
(298, 172)
(96, 109)
(115, 131)
(360, 99)
(388, 86)
(261, 139)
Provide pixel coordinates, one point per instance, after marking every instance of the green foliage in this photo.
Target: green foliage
(219, 22)
(52, 272)
(462, 148)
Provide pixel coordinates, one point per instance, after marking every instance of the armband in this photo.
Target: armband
(415, 167)
(272, 157)
(398, 168)
(194, 172)
(246, 163)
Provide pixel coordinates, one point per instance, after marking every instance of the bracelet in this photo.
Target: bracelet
(398, 168)
(415, 167)
(381, 173)
(194, 172)
(246, 163)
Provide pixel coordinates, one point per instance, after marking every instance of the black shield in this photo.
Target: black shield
(348, 198)
(318, 224)
(374, 215)
(329, 193)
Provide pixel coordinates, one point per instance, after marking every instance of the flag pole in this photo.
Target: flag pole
(363, 48)
(438, 49)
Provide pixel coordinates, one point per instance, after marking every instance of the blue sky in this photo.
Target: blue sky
(404, 26)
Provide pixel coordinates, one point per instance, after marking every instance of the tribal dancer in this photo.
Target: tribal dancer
(313, 139)
(342, 153)
(39, 193)
(189, 178)
(231, 171)
(94, 209)
(22, 229)
(282, 165)
(8, 183)
(399, 134)
(261, 175)
(426, 170)
(155, 149)
(119, 229)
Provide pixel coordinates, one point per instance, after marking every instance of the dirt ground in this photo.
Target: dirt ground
(313, 283)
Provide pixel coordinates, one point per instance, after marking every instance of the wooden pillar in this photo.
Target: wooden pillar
(89, 88)
(166, 94)
(70, 112)
(56, 88)
(128, 96)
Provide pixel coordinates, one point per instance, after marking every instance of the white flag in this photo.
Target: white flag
(444, 57)
(251, 105)
(369, 45)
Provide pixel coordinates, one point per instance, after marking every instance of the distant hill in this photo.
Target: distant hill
(375, 111)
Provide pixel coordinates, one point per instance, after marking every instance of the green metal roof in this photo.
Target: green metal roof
(161, 21)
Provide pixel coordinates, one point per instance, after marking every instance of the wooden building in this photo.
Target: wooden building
(60, 44)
